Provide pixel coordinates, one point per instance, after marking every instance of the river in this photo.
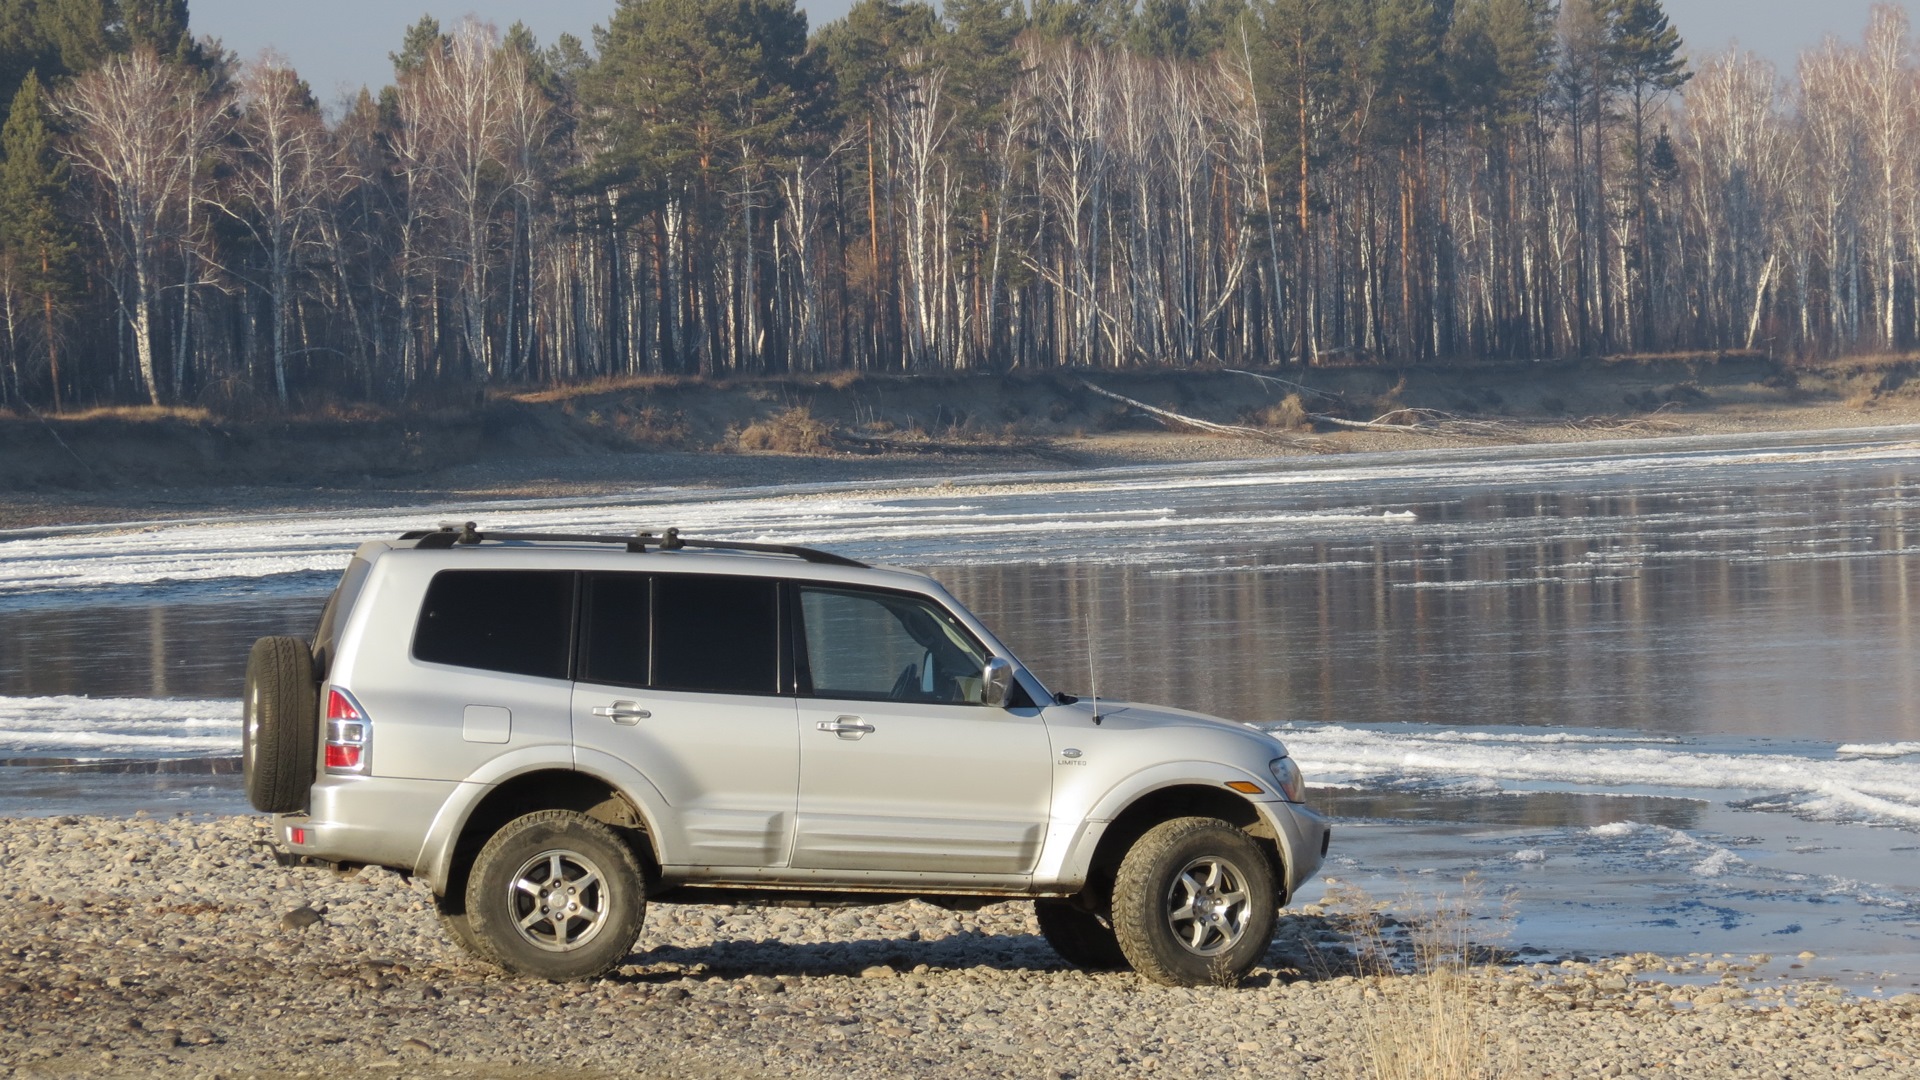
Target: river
(1657, 695)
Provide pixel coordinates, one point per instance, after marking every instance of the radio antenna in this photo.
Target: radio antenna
(1093, 671)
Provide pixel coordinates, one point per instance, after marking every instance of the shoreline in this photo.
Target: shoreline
(621, 473)
(175, 946)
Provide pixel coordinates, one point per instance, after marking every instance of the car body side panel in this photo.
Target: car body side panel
(947, 788)
(725, 764)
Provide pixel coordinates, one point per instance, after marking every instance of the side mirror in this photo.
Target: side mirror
(996, 683)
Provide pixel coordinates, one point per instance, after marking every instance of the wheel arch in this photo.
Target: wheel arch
(1164, 804)
(550, 788)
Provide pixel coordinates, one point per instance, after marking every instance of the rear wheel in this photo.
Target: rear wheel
(279, 728)
(556, 895)
(1082, 938)
(453, 919)
(1194, 903)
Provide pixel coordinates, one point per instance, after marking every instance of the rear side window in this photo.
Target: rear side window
(716, 634)
(514, 621)
(617, 616)
(334, 615)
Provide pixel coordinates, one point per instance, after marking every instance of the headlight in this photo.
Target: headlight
(1293, 786)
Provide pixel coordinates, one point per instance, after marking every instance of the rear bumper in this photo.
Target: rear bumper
(375, 821)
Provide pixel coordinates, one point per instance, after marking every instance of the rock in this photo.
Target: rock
(301, 917)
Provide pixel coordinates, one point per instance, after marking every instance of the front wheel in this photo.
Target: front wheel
(1194, 903)
(556, 895)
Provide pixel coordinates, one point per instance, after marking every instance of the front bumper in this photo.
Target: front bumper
(1303, 836)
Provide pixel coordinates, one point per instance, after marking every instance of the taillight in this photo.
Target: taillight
(348, 733)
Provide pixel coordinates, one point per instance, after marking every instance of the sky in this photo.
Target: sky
(338, 45)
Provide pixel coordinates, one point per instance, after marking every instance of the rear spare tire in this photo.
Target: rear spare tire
(279, 730)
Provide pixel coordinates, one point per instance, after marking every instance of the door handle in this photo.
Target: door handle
(624, 713)
(847, 727)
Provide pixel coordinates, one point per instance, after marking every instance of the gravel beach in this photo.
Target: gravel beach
(177, 947)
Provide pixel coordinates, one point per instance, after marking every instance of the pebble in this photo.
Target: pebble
(206, 963)
(299, 918)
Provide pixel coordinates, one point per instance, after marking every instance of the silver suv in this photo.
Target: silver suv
(554, 730)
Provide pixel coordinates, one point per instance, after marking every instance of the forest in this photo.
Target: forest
(712, 188)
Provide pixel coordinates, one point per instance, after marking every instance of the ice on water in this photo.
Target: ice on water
(1791, 843)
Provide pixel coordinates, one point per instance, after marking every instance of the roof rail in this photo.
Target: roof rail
(467, 534)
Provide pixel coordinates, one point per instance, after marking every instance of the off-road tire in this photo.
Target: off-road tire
(1082, 938)
(1168, 937)
(279, 727)
(452, 910)
(556, 895)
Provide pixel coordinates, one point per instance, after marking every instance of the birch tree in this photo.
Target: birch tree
(132, 121)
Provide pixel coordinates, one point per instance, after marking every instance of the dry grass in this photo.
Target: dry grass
(645, 425)
(1429, 1012)
(1289, 415)
(790, 431)
(192, 414)
(609, 384)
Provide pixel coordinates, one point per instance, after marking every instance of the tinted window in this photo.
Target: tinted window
(884, 646)
(516, 621)
(716, 634)
(339, 606)
(616, 645)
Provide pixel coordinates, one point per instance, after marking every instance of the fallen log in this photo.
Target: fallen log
(1167, 416)
(1302, 387)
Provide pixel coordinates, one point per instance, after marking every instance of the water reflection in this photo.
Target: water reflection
(1536, 809)
(1784, 612)
(156, 650)
(1785, 609)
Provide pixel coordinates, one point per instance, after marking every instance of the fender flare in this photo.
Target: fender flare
(435, 861)
(1076, 857)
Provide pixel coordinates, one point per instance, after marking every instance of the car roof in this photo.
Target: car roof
(668, 551)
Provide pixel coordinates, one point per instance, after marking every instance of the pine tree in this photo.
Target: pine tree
(33, 232)
(422, 40)
(1093, 23)
(78, 33)
(1645, 52)
(1499, 56)
(1302, 63)
(1163, 28)
(981, 61)
(872, 53)
(694, 100)
(160, 25)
